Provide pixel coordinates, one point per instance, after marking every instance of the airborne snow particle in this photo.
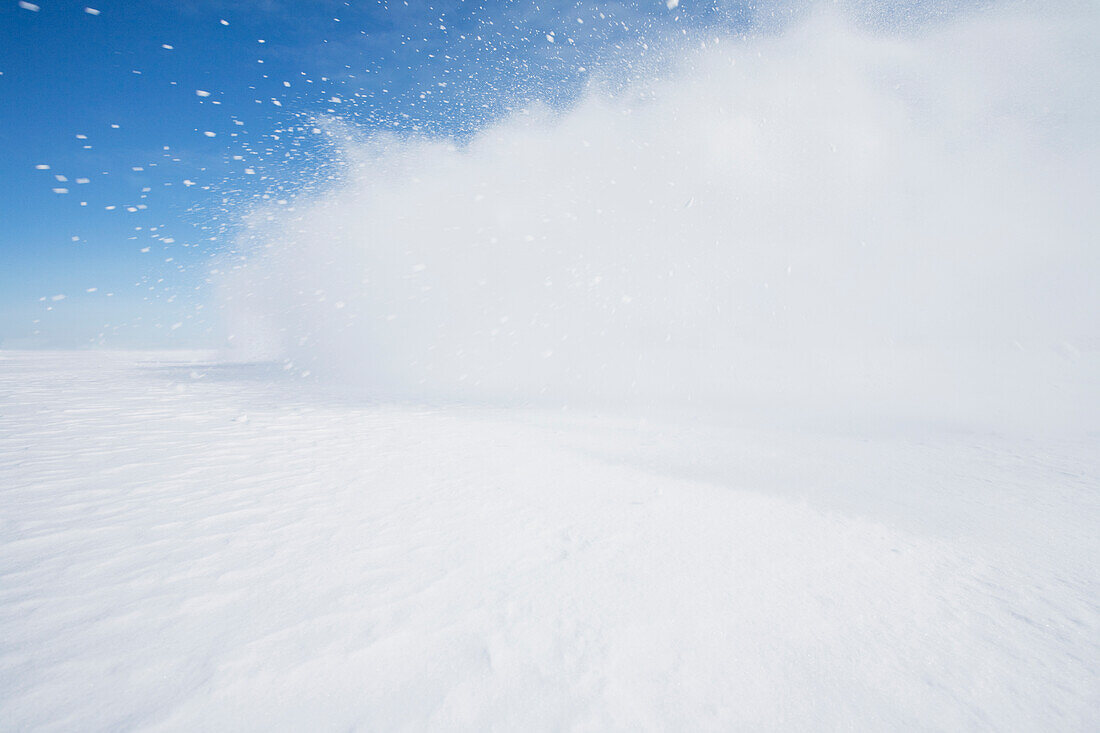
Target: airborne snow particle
(208, 133)
(672, 4)
(91, 11)
(202, 93)
(167, 47)
(41, 167)
(28, 6)
(60, 190)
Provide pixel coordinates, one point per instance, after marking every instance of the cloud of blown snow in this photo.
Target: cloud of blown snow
(826, 216)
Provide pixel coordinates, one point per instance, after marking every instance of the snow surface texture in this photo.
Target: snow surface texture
(827, 218)
(188, 546)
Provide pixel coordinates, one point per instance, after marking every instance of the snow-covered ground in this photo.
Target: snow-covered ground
(193, 546)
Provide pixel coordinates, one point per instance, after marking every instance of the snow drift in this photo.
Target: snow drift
(823, 218)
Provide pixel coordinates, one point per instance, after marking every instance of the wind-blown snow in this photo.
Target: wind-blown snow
(190, 546)
(896, 223)
(820, 304)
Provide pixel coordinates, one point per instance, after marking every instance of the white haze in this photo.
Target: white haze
(828, 220)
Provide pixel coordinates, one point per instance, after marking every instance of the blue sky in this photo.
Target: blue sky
(135, 131)
(158, 118)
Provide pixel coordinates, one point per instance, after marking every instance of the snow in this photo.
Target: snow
(839, 220)
(759, 393)
(189, 544)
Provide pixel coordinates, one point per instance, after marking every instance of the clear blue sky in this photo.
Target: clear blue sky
(150, 114)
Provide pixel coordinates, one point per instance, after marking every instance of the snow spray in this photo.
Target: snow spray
(820, 217)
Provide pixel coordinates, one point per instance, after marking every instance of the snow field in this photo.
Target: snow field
(193, 546)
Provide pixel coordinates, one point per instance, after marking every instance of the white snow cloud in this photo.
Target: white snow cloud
(826, 214)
